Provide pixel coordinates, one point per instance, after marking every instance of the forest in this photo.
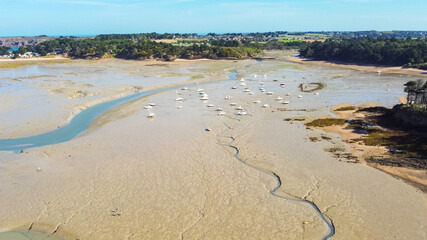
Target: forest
(380, 51)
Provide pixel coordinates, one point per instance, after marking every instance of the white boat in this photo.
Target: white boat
(243, 84)
(239, 108)
(299, 96)
(151, 104)
(257, 101)
(218, 109)
(221, 113)
(288, 94)
(242, 113)
(270, 93)
(233, 87)
(265, 106)
(278, 98)
(148, 107)
(210, 105)
(255, 76)
(316, 93)
(179, 107)
(379, 72)
(179, 99)
(184, 88)
(262, 90)
(204, 98)
(246, 90)
(242, 80)
(285, 102)
(150, 114)
(233, 104)
(228, 98)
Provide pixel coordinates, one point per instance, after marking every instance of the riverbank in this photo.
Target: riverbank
(360, 67)
(177, 175)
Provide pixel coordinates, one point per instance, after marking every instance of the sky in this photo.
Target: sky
(91, 17)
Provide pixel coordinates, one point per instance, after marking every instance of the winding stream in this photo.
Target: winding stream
(327, 222)
(80, 122)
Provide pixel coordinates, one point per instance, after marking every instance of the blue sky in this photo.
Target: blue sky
(80, 17)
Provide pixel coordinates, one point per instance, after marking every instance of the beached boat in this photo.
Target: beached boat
(151, 104)
(204, 98)
(265, 106)
(228, 98)
(285, 102)
(242, 113)
(233, 104)
(257, 101)
(210, 105)
(278, 98)
(239, 108)
(218, 109)
(233, 87)
(221, 113)
(179, 107)
(148, 107)
(270, 93)
(299, 96)
(246, 90)
(184, 88)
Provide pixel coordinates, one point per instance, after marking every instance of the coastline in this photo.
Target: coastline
(359, 67)
(173, 179)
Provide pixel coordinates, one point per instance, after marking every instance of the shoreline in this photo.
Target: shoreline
(415, 177)
(359, 67)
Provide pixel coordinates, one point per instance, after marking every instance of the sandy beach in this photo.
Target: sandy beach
(170, 178)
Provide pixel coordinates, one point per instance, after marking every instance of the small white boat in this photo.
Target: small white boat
(254, 75)
(218, 109)
(242, 84)
(379, 72)
(265, 106)
(200, 90)
(210, 105)
(204, 98)
(278, 98)
(282, 85)
(148, 107)
(151, 115)
(184, 88)
(233, 104)
(288, 94)
(179, 107)
(179, 99)
(246, 90)
(242, 113)
(299, 96)
(242, 80)
(228, 98)
(265, 76)
(221, 113)
(151, 104)
(233, 87)
(285, 102)
(275, 80)
(257, 101)
(262, 90)
(239, 108)
(270, 93)
(316, 93)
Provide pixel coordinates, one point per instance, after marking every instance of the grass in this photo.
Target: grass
(194, 77)
(349, 108)
(298, 119)
(18, 64)
(326, 122)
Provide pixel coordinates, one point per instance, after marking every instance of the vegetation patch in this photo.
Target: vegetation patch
(18, 64)
(326, 122)
(197, 77)
(349, 108)
(297, 119)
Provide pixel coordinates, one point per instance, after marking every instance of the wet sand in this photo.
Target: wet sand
(171, 179)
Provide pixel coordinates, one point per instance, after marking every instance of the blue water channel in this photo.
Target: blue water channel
(80, 122)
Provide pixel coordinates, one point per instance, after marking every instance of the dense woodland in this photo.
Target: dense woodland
(387, 51)
(138, 46)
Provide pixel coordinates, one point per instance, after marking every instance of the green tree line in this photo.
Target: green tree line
(387, 51)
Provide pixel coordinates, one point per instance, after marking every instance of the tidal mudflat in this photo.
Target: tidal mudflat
(251, 176)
